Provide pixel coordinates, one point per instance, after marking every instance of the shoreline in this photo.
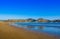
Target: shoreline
(18, 26)
(12, 32)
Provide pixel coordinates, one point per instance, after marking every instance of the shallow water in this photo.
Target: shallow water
(49, 28)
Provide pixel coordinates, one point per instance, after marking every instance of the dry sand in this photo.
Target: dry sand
(11, 32)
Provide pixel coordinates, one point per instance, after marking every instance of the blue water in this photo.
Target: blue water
(49, 28)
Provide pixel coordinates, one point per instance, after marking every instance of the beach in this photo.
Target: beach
(11, 32)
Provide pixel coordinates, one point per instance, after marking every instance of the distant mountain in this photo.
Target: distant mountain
(30, 20)
(43, 20)
(56, 21)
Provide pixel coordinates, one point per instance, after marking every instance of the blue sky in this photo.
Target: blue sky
(22, 9)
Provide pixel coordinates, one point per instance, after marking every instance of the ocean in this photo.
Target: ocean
(45, 27)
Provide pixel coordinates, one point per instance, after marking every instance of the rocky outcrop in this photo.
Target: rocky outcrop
(43, 20)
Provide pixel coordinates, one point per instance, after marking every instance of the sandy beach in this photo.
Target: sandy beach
(10, 32)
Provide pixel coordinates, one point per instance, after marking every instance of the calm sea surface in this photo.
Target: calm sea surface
(49, 28)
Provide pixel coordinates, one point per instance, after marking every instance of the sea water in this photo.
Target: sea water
(49, 28)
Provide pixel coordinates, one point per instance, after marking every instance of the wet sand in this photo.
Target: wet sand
(10, 32)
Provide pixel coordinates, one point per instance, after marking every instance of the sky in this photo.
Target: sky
(23, 9)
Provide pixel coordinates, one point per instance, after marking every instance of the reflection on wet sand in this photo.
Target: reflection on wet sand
(38, 27)
(30, 26)
(41, 27)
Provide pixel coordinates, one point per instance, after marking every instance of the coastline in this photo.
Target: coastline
(37, 31)
(11, 32)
